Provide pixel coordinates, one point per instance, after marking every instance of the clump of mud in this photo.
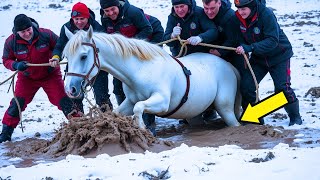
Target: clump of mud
(314, 92)
(82, 135)
(93, 134)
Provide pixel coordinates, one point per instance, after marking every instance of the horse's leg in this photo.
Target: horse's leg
(125, 108)
(237, 105)
(224, 104)
(157, 103)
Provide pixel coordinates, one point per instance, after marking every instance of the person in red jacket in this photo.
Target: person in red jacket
(31, 44)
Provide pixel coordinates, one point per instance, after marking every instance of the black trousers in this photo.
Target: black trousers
(280, 74)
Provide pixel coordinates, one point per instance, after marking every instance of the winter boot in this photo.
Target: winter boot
(6, 133)
(149, 121)
(261, 121)
(293, 113)
(120, 99)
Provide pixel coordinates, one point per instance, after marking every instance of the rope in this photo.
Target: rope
(43, 64)
(17, 102)
(184, 48)
(12, 87)
(12, 76)
(253, 76)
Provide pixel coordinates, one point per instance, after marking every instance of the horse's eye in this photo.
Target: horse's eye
(83, 58)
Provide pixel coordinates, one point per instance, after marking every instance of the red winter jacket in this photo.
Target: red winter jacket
(37, 52)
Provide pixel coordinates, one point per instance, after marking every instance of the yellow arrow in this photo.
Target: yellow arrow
(264, 107)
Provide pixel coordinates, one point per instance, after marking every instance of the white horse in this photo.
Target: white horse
(153, 81)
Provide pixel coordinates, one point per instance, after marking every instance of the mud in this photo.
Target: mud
(94, 134)
(314, 92)
(97, 134)
(111, 134)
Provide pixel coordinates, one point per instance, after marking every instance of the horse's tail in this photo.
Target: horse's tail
(237, 104)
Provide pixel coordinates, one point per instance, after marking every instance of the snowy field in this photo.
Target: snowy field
(300, 20)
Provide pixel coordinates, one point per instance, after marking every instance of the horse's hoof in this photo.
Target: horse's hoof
(138, 122)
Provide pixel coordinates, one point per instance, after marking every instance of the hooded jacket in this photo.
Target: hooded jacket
(270, 44)
(37, 51)
(63, 39)
(196, 23)
(131, 22)
(228, 27)
(157, 29)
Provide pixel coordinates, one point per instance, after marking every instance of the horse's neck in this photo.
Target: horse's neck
(122, 69)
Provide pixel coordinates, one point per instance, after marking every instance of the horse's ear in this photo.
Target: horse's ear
(69, 34)
(90, 32)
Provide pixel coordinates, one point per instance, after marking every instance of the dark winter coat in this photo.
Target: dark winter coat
(157, 29)
(228, 27)
(196, 23)
(270, 45)
(39, 51)
(131, 22)
(63, 39)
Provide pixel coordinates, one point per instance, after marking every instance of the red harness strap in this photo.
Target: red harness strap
(184, 99)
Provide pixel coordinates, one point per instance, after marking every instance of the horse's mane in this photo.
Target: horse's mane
(121, 45)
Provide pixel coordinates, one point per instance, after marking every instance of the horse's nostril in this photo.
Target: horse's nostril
(73, 90)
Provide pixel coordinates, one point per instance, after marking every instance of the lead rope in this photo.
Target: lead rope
(184, 48)
(17, 102)
(12, 87)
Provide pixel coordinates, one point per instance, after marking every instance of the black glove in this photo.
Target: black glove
(247, 48)
(20, 66)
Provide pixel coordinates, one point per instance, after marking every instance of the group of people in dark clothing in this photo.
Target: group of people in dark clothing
(252, 29)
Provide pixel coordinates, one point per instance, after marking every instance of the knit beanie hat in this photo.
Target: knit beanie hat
(108, 3)
(80, 10)
(21, 22)
(252, 5)
(176, 2)
(245, 3)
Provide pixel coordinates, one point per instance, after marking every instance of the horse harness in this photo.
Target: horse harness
(96, 63)
(184, 99)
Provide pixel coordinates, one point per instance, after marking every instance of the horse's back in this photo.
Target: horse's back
(210, 75)
(206, 60)
(207, 68)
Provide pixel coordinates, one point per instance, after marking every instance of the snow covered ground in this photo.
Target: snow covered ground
(300, 19)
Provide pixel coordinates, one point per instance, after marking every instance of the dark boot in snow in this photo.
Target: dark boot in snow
(149, 121)
(261, 121)
(6, 133)
(293, 113)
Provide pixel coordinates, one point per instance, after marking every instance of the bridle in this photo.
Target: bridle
(96, 63)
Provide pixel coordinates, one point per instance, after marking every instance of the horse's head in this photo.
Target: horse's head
(83, 62)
